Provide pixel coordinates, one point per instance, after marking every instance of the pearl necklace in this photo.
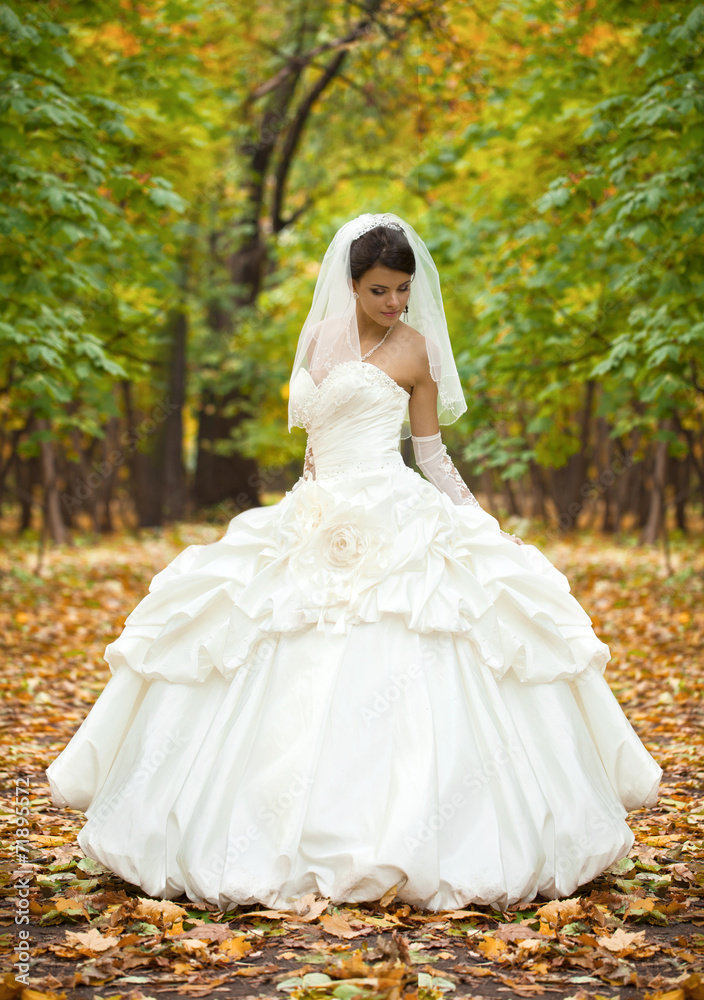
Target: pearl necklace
(349, 342)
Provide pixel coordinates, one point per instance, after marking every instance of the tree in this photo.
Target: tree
(318, 90)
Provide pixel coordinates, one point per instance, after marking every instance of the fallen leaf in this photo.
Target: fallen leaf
(622, 942)
(235, 947)
(90, 942)
(560, 911)
(492, 947)
(159, 911)
(517, 932)
(337, 925)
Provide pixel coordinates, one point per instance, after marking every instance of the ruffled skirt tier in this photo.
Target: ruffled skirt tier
(360, 687)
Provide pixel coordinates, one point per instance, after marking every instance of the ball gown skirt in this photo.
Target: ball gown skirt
(362, 686)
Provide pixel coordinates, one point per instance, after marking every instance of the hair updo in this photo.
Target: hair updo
(384, 247)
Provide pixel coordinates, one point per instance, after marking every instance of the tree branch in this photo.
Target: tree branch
(294, 134)
(298, 63)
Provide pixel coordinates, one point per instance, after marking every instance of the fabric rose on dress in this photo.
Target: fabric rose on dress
(310, 515)
(335, 549)
(354, 540)
(347, 546)
(302, 512)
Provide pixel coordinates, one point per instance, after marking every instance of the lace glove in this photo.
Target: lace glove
(308, 463)
(437, 466)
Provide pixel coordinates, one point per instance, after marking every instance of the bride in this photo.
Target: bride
(368, 686)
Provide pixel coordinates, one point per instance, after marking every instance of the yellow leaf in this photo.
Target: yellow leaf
(29, 994)
(235, 947)
(390, 894)
(492, 947)
(349, 967)
(337, 925)
(621, 942)
(560, 911)
(193, 945)
(90, 942)
(159, 911)
(694, 987)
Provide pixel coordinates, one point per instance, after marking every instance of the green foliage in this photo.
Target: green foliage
(78, 220)
(551, 156)
(581, 217)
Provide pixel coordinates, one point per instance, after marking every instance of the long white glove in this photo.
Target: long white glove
(437, 466)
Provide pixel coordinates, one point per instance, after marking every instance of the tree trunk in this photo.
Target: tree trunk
(538, 484)
(145, 470)
(53, 520)
(27, 473)
(229, 477)
(488, 489)
(567, 482)
(222, 477)
(655, 522)
(174, 472)
(607, 475)
(681, 477)
(511, 500)
(270, 149)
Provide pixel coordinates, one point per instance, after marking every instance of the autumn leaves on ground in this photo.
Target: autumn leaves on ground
(637, 931)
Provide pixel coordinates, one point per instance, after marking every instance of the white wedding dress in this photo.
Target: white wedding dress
(362, 686)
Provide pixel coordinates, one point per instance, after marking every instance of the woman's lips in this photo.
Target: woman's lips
(391, 314)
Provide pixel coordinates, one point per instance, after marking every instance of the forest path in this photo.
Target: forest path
(635, 931)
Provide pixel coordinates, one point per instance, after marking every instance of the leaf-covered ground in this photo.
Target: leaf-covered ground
(637, 931)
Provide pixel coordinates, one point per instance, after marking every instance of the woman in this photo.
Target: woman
(367, 686)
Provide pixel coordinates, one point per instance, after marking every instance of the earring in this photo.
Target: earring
(405, 311)
(354, 295)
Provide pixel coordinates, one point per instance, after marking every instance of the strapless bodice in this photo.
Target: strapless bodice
(353, 418)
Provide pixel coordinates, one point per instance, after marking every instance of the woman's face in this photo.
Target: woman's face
(383, 293)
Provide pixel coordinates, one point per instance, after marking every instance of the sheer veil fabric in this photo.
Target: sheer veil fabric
(330, 335)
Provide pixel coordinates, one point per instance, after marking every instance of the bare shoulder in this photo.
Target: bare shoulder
(415, 353)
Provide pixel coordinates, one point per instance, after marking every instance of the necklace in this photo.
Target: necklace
(349, 342)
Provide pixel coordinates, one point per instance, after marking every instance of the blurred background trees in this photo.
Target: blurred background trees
(171, 173)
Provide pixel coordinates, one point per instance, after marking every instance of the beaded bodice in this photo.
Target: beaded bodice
(353, 418)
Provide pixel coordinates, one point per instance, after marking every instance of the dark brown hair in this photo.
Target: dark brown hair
(381, 246)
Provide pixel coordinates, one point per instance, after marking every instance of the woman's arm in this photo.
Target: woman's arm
(430, 452)
(308, 463)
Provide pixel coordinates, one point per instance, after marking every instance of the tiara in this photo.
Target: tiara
(363, 223)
